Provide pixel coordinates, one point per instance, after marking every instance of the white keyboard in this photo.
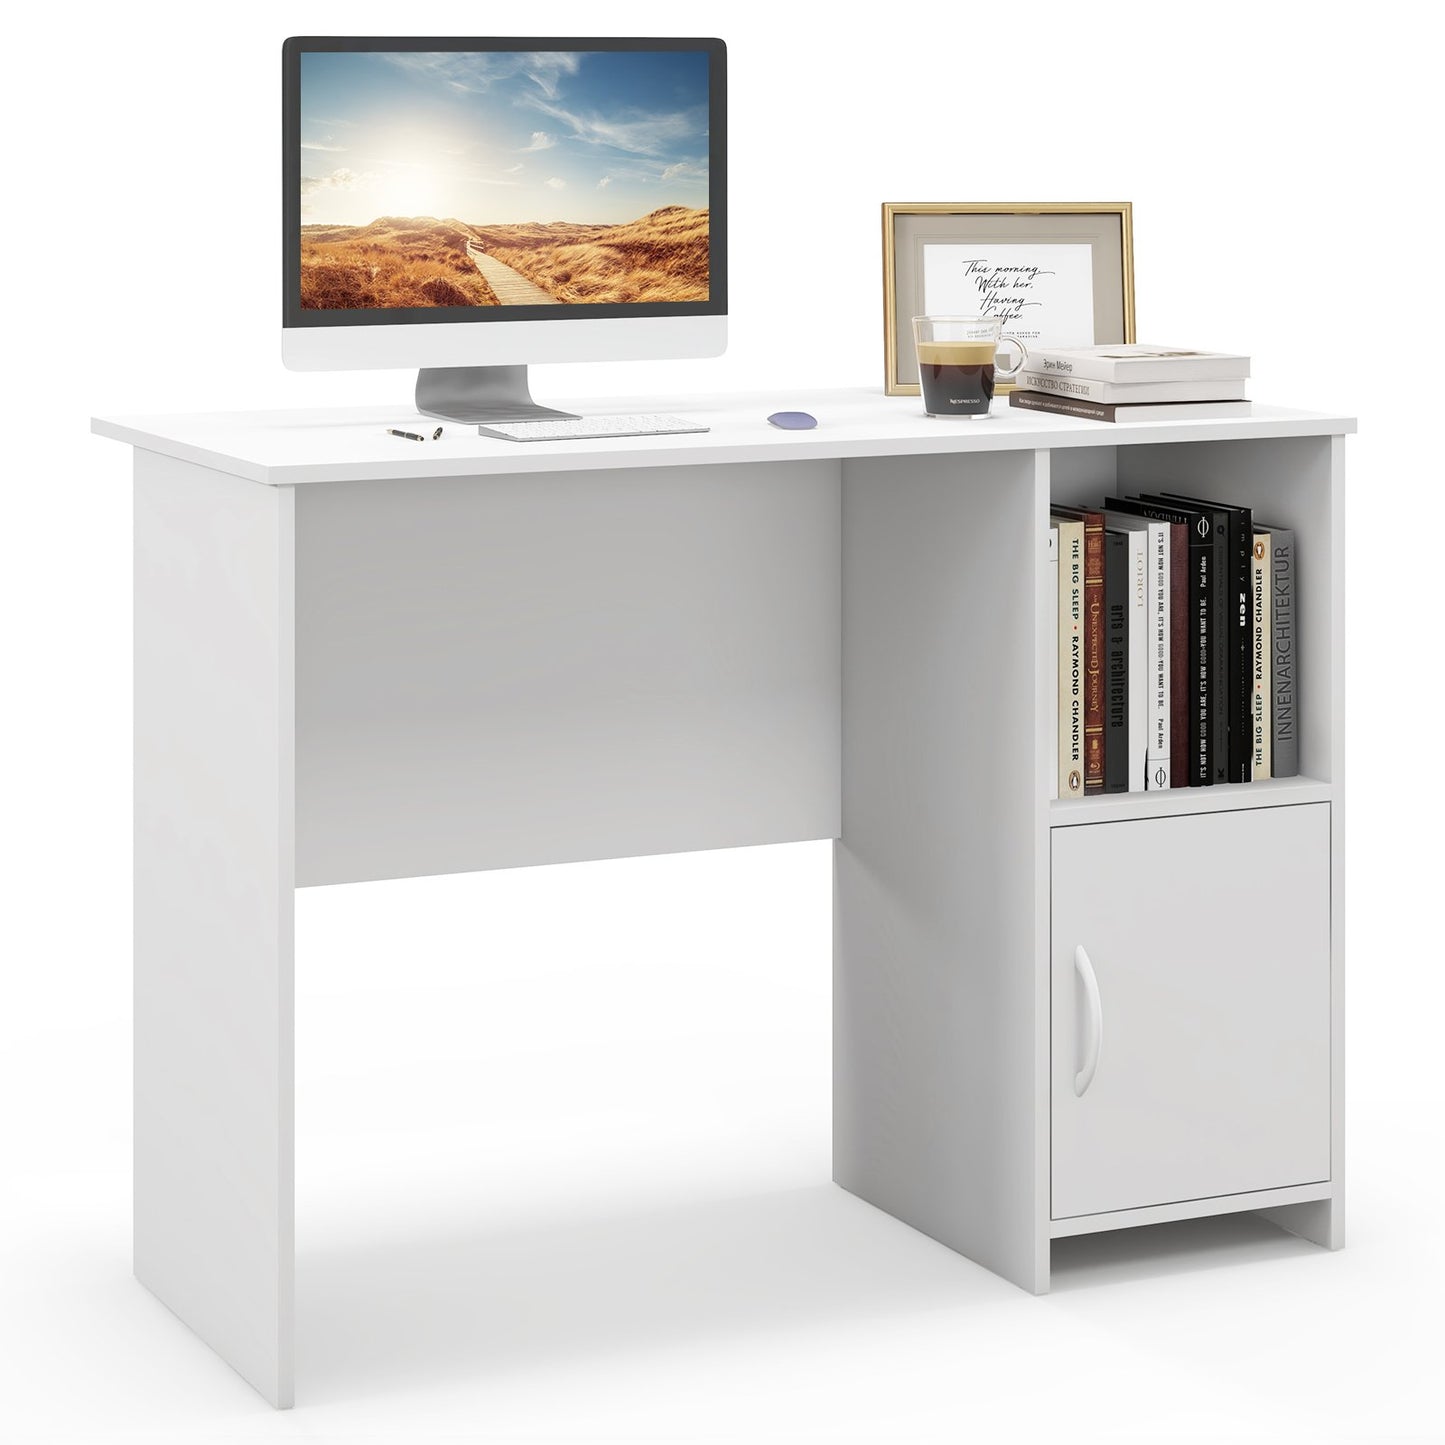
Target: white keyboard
(585, 428)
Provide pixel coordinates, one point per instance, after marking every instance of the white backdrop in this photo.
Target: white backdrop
(563, 1141)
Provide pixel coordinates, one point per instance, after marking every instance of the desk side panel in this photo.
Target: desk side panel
(936, 961)
(498, 671)
(214, 897)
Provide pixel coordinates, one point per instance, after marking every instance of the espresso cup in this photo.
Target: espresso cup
(958, 362)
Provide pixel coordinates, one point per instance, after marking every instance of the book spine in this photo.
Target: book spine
(1062, 405)
(1260, 639)
(1052, 554)
(1071, 658)
(1137, 673)
(1081, 387)
(1085, 388)
(1242, 541)
(1236, 613)
(1201, 561)
(1179, 654)
(1284, 655)
(1093, 652)
(1156, 636)
(1125, 369)
(1117, 411)
(1118, 603)
(1233, 698)
(1227, 618)
(1193, 760)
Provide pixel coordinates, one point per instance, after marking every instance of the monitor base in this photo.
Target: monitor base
(480, 394)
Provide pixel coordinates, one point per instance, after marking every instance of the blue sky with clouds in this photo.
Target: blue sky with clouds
(497, 137)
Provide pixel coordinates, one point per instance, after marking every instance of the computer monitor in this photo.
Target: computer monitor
(471, 206)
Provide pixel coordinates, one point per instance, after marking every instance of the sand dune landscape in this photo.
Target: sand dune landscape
(662, 256)
(421, 261)
(394, 261)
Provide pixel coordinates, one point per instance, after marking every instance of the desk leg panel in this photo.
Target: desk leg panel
(214, 891)
(936, 1041)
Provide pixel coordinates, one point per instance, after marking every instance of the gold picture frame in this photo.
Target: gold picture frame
(1100, 286)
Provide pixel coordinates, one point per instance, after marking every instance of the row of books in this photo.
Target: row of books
(1177, 645)
(1133, 382)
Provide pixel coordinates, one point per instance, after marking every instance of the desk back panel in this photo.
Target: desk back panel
(499, 671)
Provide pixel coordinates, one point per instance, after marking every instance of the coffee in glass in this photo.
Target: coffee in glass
(958, 362)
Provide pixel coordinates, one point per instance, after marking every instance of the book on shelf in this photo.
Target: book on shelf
(1071, 656)
(1138, 661)
(1260, 612)
(1053, 631)
(1086, 388)
(1284, 653)
(1239, 535)
(1138, 361)
(1179, 638)
(1118, 604)
(1192, 764)
(1150, 658)
(1125, 588)
(1120, 411)
(1196, 676)
(1211, 525)
(1175, 600)
(1242, 521)
(1093, 643)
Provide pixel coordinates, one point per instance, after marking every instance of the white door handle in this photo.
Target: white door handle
(1095, 1036)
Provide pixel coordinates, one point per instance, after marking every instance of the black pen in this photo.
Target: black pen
(411, 436)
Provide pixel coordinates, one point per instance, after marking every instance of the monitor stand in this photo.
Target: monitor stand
(480, 394)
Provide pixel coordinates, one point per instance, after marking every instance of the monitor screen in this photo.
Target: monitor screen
(502, 180)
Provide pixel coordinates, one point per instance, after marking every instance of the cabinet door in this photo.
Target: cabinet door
(1191, 969)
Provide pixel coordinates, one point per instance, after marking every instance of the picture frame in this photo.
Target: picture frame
(1058, 273)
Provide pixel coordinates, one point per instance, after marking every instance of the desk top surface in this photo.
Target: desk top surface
(281, 448)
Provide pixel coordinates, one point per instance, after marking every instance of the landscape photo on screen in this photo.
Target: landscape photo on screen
(470, 178)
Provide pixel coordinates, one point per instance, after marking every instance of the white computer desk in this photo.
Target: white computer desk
(359, 657)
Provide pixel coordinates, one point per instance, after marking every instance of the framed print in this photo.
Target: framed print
(1056, 274)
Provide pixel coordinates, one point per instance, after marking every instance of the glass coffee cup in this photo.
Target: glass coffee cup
(958, 362)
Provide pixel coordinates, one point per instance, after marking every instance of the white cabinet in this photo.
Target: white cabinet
(1190, 1008)
(1213, 917)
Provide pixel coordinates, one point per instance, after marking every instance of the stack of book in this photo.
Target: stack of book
(1178, 657)
(1133, 383)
